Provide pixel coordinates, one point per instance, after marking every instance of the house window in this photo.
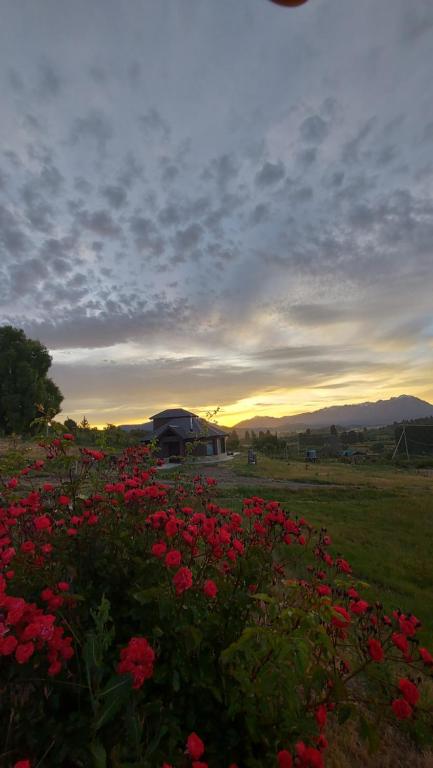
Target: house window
(209, 448)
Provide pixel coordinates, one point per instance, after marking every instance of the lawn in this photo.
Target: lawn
(381, 519)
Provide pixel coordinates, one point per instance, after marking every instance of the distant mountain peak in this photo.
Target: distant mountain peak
(367, 414)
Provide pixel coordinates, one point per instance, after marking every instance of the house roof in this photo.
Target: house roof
(174, 413)
(182, 427)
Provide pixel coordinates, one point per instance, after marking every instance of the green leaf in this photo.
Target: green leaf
(370, 733)
(99, 754)
(145, 596)
(112, 698)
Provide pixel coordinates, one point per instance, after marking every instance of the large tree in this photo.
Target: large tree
(25, 388)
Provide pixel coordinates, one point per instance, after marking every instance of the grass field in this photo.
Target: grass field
(380, 518)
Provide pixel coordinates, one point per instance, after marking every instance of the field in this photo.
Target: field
(380, 517)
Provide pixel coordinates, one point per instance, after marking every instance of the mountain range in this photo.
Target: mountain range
(377, 414)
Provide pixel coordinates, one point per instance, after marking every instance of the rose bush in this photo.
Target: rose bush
(143, 624)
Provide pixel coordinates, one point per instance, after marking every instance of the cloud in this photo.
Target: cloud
(49, 81)
(152, 124)
(270, 174)
(12, 237)
(314, 129)
(100, 222)
(94, 127)
(115, 195)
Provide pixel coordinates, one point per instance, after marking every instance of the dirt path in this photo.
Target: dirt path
(226, 477)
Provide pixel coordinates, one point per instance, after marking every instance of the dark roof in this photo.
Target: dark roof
(174, 413)
(182, 427)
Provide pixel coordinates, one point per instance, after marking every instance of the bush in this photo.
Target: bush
(144, 625)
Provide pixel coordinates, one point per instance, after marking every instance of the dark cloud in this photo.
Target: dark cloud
(146, 235)
(101, 223)
(49, 81)
(12, 236)
(131, 172)
(222, 170)
(259, 214)
(188, 238)
(352, 148)
(270, 174)
(152, 124)
(115, 195)
(94, 127)
(314, 129)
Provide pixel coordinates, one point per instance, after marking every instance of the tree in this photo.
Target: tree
(333, 430)
(25, 389)
(71, 425)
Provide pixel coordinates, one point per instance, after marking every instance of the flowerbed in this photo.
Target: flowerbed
(142, 624)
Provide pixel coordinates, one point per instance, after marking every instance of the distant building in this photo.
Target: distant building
(175, 429)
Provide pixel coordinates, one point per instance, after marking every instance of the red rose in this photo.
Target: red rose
(23, 652)
(194, 746)
(401, 709)
(342, 620)
(284, 759)
(409, 691)
(375, 649)
(426, 656)
(182, 580)
(321, 715)
(173, 558)
(210, 589)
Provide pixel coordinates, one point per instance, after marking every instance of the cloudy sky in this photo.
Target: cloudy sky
(219, 202)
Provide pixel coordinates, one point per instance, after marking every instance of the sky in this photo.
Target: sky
(219, 203)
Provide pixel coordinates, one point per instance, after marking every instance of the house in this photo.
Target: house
(179, 432)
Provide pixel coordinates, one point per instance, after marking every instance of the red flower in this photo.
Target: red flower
(407, 626)
(137, 660)
(342, 620)
(23, 652)
(182, 580)
(173, 558)
(23, 764)
(210, 589)
(198, 764)
(409, 691)
(375, 649)
(426, 656)
(159, 549)
(321, 715)
(68, 436)
(8, 645)
(401, 709)
(309, 757)
(400, 642)
(323, 590)
(42, 523)
(358, 606)
(64, 500)
(284, 759)
(194, 746)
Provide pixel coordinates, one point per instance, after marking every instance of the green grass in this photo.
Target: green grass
(385, 534)
(384, 475)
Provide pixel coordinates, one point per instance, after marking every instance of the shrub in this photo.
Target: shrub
(142, 624)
